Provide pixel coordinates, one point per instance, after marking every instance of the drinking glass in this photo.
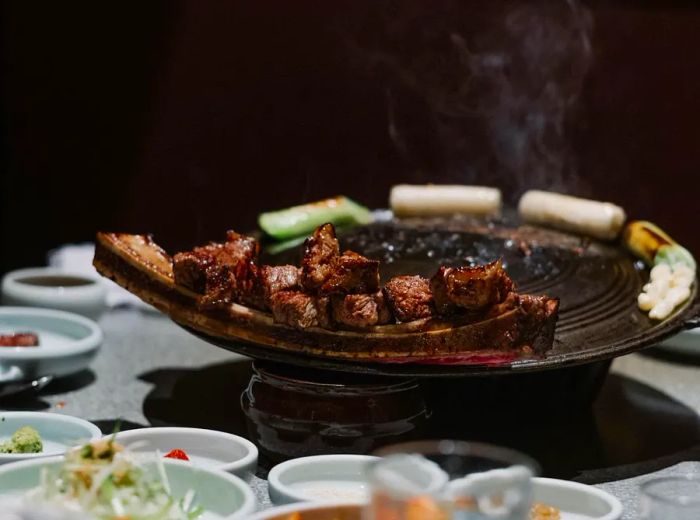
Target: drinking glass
(450, 480)
(666, 498)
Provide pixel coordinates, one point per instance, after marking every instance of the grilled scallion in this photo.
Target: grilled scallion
(302, 220)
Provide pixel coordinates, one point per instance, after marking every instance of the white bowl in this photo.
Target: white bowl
(205, 448)
(58, 432)
(50, 287)
(320, 478)
(576, 501)
(222, 495)
(67, 343)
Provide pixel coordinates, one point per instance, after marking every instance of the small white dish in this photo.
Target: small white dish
(49, 287)
(576, 501)
(58, 432)
(320, 478)
(208, 449)
(345, 510)
(222, 496)
(67, 343)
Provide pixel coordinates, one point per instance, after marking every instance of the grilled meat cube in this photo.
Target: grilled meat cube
(537, 318)
(279, 278)
(410, 298)
(242, 252)
(512, 301)
(352, 273)
(471, 288)
(19, 339)
(299, 310)
(267, 280)
(204, 271)
(320, 251)
(222, 272)
(360, 310)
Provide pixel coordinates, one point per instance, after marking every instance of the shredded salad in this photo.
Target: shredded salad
(105, 481)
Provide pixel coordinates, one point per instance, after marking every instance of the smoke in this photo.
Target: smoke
(481, 93)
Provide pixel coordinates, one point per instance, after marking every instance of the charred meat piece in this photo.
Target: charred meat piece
(242, 252)
(352, 273)
(299, 310)
(198, 270)
(279, 278)
(410, 298)
(241, 256)
(222, 272)
(320, 251)
(268, 280)
(470, 288)
(537, 318)
(19, 339)
(360, 310)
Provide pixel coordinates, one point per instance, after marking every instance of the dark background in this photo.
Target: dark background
(185, 118)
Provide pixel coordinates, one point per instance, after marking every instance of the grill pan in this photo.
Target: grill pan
(597, 284)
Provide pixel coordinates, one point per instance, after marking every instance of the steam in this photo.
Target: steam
(482, 94)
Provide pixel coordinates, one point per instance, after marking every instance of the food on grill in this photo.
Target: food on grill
(300, 310)
(471, 288)
(352, 273)
(19, 339)
(650, 243)
(334, 304)
(668, 287)
(302, 220)
(219, 271)
(673, 271)
(320, 251)
(433, 200)
(588, 217)
(273, 279)
(410, 298)
(360, 311)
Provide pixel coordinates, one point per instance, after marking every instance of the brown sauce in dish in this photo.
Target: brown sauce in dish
(56, 281)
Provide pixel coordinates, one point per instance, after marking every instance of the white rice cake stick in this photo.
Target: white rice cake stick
(433, 200)
(588, 217)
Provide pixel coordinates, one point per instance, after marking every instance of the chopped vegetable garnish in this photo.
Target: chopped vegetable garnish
(102, 480)
(302, 220)
(24, 440)
(177, 454)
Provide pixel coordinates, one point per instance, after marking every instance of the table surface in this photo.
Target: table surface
(138, 377)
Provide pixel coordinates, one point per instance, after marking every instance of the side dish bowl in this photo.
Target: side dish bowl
(67, 343)
(220, 494)
(209, 449)
(54, 288)
(58, 433)
(320, 478)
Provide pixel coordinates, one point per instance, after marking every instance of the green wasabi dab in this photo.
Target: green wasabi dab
(24, 440)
